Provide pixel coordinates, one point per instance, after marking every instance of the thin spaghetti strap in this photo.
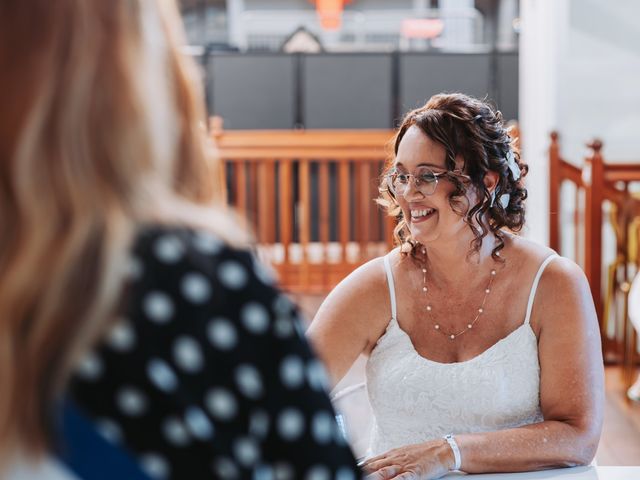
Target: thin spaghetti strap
(534, 287)
(392, 288)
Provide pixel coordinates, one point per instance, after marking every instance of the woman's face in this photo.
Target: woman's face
(430, 218)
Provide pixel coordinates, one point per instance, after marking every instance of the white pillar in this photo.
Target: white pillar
(235, 8)
(543, 23)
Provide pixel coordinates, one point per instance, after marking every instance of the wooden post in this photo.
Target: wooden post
(593, 228)
(555, 183)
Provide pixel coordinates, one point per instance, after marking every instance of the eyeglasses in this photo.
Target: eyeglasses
(424, 179)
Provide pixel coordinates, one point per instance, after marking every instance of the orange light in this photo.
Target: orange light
(330, 13)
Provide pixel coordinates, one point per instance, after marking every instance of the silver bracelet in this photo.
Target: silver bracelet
(456, 451)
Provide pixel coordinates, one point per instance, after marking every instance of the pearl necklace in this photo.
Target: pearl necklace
(480, 311)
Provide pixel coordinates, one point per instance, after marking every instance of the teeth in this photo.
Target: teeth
(421, 213)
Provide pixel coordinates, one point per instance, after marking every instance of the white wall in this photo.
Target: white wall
(580, 75)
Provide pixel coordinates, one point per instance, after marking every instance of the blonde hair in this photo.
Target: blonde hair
(101, 131)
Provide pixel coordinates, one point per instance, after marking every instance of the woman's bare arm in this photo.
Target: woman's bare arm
(571, 385)
(352, 318)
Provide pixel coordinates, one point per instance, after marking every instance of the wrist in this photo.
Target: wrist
(453, 459)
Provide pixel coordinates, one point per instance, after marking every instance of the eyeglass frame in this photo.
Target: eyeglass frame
(416, 184)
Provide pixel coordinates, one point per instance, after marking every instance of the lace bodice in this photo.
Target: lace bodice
(415, 399)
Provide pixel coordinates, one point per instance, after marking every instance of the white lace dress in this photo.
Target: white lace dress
(414, 399)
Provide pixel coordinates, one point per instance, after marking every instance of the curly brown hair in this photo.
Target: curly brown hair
(475, 130)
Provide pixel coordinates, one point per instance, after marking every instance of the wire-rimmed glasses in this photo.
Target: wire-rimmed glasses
(424, 179)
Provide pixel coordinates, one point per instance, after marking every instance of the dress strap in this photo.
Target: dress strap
(534, 287)
(392, 288)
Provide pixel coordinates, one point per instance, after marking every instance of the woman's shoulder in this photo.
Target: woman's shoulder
(193, 262)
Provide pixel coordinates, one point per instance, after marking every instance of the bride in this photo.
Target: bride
(484, 348)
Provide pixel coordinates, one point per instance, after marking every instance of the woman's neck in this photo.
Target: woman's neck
(451, 264)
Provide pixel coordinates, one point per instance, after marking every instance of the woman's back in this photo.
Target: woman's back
(205, 371)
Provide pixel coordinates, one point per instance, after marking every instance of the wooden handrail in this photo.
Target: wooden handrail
(310, 198)
(600, 182)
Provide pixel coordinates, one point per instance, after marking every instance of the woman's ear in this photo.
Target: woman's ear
(491, 179)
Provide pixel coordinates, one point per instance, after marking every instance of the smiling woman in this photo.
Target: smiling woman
(484, 351)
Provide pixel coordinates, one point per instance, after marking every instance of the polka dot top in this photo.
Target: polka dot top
(206, 374)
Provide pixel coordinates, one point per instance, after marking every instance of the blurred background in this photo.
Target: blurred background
(303, 97)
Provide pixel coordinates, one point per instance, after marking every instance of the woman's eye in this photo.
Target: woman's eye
(427, 177)
(403, 177)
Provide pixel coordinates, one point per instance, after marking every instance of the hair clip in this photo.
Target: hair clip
(513, 165)
(504, 200)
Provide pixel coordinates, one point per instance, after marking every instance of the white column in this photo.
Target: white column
(541, 42)
(235, 8)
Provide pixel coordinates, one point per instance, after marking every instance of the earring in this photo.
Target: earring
(493, 199)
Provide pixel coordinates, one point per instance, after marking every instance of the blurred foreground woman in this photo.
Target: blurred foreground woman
(125, 291)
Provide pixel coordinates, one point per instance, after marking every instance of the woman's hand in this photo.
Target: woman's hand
(422, 461)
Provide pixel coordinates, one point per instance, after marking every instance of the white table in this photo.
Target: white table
(576, 473)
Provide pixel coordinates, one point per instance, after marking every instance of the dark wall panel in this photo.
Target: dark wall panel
(424, 75)
(508, 85)
(252, 91)
(347, 91)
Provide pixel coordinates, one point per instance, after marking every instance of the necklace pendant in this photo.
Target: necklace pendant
(437, 327)
(452, 336)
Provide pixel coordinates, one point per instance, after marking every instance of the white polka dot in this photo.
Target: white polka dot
(198, 423)
(121, 337)
(109, 430)
(283, 327)
(168, 249)
(187, 354)
(232, 275)
(317, 376)
(249, 381)
(131, 401)
(221, 403)
(155, 465)
(158, 307)
(134, 268)
(222, 334)
(259, 424)
(282, 305)
(196, 288)
(161, 375)
(322, 426)
(225, 469)
(345, 473)
(290, 424)
(90, 367)
(207, 243)
(263, 472)
(175, 432)
(292, 372)
(246, 451)
(318, 472)
(283, 471)
(255, 317)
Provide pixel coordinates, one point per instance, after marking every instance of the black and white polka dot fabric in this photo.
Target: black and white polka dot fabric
(206, 374)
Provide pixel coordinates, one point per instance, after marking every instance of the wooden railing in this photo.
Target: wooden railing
(602, 200)
(310, 198)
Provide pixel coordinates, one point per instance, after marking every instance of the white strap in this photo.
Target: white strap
(392, 288)
(534, 287)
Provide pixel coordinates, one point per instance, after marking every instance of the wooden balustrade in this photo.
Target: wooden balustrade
(602, 196)
(309, 195)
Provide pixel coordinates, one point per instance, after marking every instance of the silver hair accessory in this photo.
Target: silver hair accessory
(513, 165)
